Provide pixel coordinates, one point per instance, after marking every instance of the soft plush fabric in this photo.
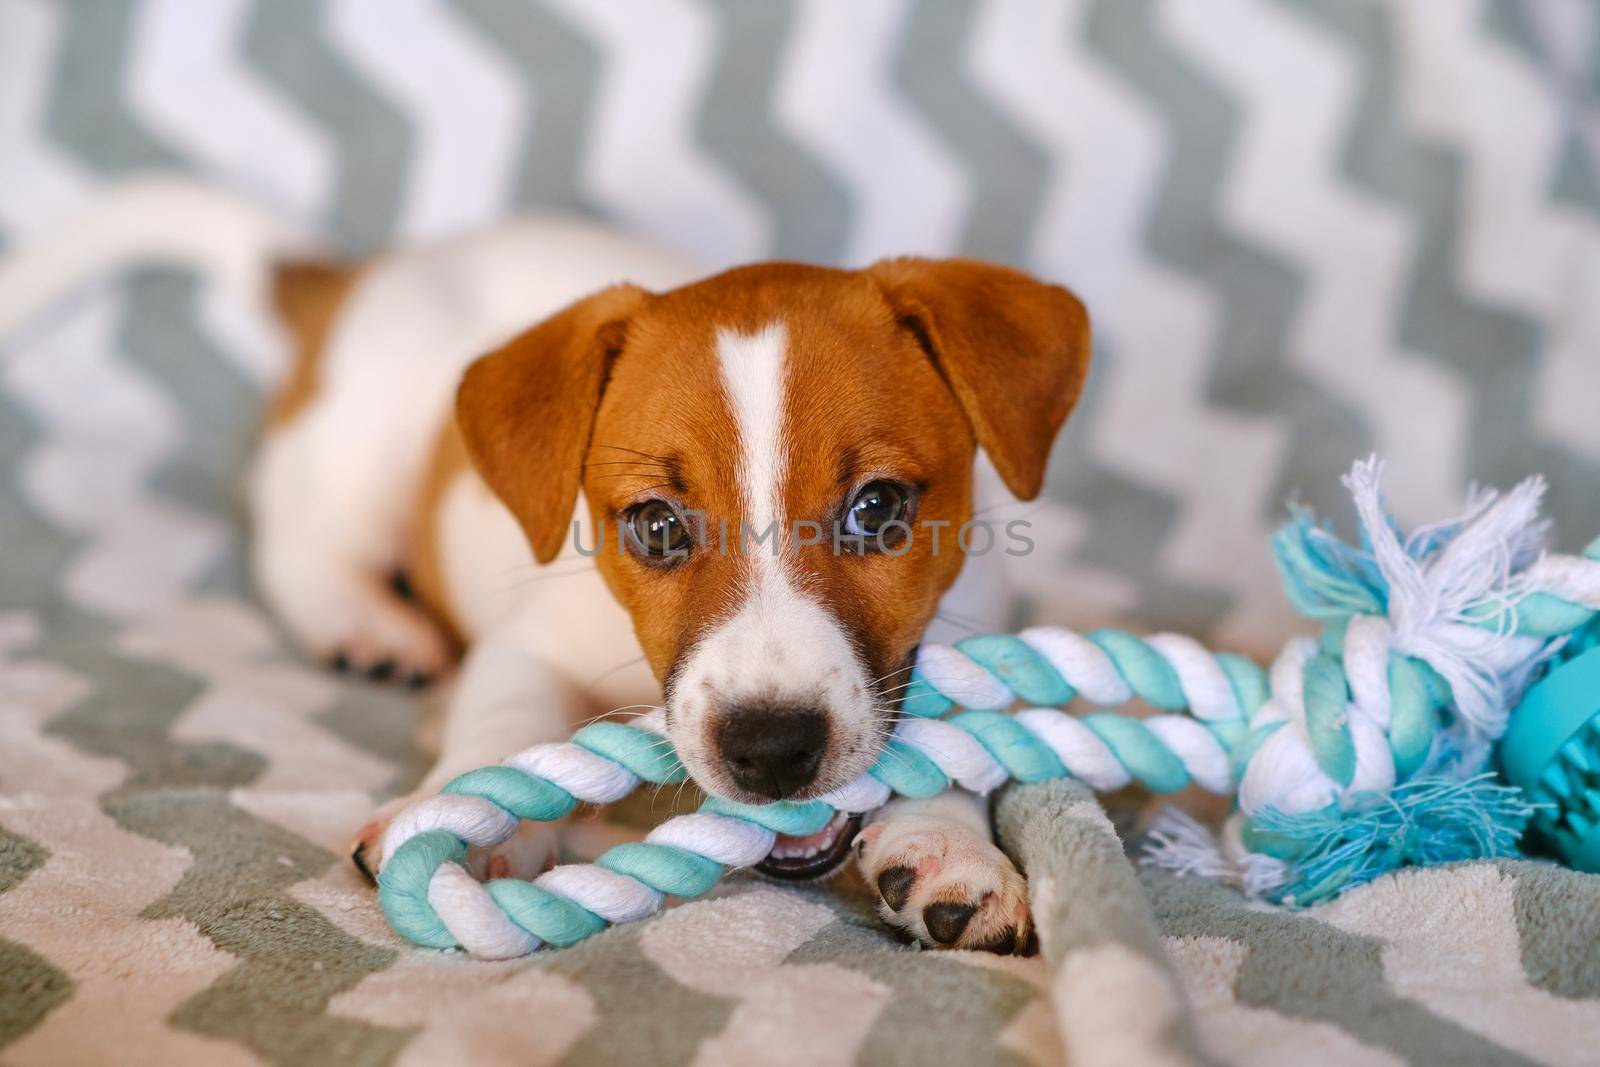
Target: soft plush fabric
(1306, 229)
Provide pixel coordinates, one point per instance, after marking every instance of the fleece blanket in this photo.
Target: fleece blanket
(170, 899)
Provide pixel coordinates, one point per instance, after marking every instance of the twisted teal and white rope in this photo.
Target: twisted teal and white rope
(1426, 647)
(430, 898)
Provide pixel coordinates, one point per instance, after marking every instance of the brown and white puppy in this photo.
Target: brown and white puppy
(830, 406)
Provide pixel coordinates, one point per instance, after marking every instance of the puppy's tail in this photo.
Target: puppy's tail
(150, 221)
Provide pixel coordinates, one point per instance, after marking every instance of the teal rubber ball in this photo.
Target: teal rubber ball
(1551, 751)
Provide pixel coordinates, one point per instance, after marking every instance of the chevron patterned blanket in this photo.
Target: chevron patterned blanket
(1309, 230)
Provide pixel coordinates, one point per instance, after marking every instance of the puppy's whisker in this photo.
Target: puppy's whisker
(1027, 508)
(534, 567)
(893, 689)
(519, 586)
(625, 712)
(624, 665)
(923, 746)
(678, 796)
(558, 567)
(891, 674)
(957, 614)
(897, 757)
(948, 690)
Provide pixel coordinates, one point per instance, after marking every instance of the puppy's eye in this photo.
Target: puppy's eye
(876, 506)
(656, 532)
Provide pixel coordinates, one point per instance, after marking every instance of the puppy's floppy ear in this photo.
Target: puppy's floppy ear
(1013, 349)
(526, 410)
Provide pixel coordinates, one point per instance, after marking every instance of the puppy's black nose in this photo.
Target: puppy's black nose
(773, 751)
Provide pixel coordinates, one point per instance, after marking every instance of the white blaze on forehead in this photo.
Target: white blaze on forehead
(753, 378)
(779, 646)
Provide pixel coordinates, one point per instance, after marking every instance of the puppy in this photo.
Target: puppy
(740, 483)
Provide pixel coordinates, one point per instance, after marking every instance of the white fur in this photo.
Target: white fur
(144, 220)
(753, 379)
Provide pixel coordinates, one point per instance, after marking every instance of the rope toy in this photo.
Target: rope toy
(1357, 753)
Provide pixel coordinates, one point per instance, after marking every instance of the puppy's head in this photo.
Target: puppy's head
(768, 455)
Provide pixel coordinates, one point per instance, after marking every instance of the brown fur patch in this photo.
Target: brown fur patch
(307, 295)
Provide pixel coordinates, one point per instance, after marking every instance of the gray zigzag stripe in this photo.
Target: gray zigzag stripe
(1008, 172)
(736, 125)
(970, 1003)
(35, 587)
(563, 69)
(285, 42)
(23, 533)
(30, 985)
(1558, 917)
(1305, 968)
(1574, 181)
(1516, 24)
(1495, 350)
(1257, 289)
(220, 407)
(1506, 20)
(87, 110)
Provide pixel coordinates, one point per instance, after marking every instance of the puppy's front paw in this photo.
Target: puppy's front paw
(526, 854)
(389, 642)
(945, 886)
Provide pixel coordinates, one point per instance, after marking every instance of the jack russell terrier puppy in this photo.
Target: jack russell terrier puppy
(571, 513)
